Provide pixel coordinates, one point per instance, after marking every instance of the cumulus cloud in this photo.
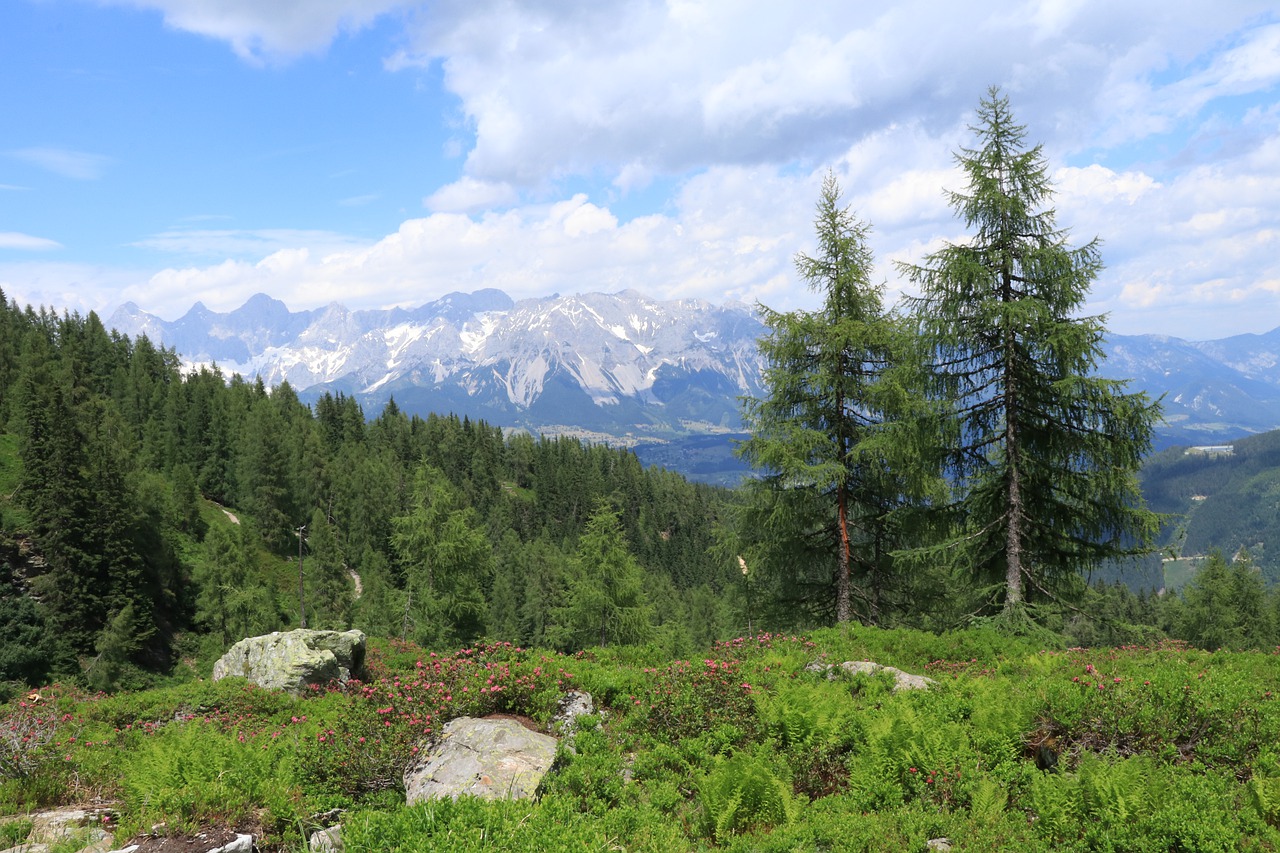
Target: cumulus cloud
(551, 89)
(26, 242)
(1186, 254)
(741, 105)
(279, 29)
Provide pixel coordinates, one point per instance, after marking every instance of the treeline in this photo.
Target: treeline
(450, 530)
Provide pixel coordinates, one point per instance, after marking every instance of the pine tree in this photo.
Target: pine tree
(1041, 452)
(827, 399)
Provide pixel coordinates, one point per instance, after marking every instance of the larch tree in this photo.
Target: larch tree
(446, 559)
(605, 601)
(815, 433)
(1041, 453)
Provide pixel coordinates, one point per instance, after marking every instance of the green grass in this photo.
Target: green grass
(1015, 748)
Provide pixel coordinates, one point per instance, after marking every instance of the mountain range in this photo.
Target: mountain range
(664, 377)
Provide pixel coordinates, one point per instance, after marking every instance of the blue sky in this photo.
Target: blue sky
(385, 152)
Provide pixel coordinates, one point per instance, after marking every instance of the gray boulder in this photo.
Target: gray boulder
(494, 759)
(292, 660)
(901, 680)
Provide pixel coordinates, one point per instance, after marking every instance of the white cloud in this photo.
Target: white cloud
(67, 286)
(553, 90)
(1194, 255)
(743, 104)
(468, 195)
(26, 242)
(244, 243)
(277, 29)
(64, 161)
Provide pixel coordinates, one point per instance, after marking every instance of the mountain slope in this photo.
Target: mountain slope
(1205, 399)
(620, 364)
(1220, 501)
(631, 369)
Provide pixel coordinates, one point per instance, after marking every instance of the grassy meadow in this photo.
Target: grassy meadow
(1017, 747)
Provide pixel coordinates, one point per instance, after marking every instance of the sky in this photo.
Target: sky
(387, 152)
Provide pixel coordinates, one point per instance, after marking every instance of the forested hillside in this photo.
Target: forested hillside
(146, 513)
(958, 460)
(1226, 501)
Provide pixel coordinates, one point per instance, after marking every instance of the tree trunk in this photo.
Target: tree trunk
(1013, 453)
(843, 609)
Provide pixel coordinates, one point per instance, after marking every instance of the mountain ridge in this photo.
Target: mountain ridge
(627, 367)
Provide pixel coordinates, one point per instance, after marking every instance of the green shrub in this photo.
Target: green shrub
(589, 774)
(470, 825)
(14, 832)
(686, 699)
(1114, 803)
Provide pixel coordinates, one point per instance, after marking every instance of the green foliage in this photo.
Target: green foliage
(605, 600)
(745, 793)
(188, 775)
(446, 560)
(1225, 607)
(816, 436)
(801, 716)
(1112, 803)
(686, 699)
(1164, 748)
(589, 773)
(329, 593)
(1042, 453)
(122, 637)
(14, 832)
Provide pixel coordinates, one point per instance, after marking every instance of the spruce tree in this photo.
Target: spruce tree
(1041, 452)
(446, 560)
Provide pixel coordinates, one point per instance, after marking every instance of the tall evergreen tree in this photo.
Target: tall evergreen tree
(329, 589)
(605, 601)
(447, 561)
(1042, 453)
(826, 402)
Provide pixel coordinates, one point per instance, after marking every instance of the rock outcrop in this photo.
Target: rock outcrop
(293, 660)
(574, 704)
(901, 680)
(490, 758)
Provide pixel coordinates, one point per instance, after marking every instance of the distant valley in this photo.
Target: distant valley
(664, 378)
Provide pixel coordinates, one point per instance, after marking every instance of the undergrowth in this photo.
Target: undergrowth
(746, 748)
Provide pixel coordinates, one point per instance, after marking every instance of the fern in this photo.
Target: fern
(1104, 795)
(1264, 793)
(744, 793)
(987, 800)
(807, 718)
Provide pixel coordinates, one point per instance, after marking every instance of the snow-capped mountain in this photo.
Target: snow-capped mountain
(612, 363)
(1207, 398)
(629, 368)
